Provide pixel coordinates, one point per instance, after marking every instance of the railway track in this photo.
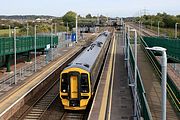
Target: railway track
(56, 112)
(44, 101)
(40, 106)
(72, 116)
(143, 31)
(41, 100)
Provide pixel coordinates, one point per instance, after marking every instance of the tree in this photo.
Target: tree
(88, 16)
(70, 18)
(169, 21)
(61, 28)
(58, 21)
(178, 16)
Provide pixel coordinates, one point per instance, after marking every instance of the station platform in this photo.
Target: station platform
(15, 98)
(118, 104)
(122, 102)
(153, 88)
(119, 100)
(17, 95)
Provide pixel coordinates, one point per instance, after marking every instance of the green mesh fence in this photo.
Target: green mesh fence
(172, 46)
(24, 44)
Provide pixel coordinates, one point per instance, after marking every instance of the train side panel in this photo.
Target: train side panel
(97, 65)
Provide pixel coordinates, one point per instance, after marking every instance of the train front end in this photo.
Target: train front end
(75, 89)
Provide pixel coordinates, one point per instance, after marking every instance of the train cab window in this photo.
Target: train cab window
(84, 83)
(64, 83)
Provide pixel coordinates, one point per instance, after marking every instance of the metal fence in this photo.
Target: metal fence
(142, 104)
(25, 44)
(143, 110)
(21, 74)
(172, 46)
(176, 67)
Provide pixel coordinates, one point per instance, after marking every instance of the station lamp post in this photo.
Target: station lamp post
(27, 28)
(55, 28)
(52, 43)
(76, 28)
(9, 30)
(15, 80)
(125, 42)
(67, 30)
(164, 78)
(125, 36)
(151, 24)
(176, 25)
(158, 27)
(135, 67)
(128, 43)
(35, 30)
(135, 72)
(139, 27)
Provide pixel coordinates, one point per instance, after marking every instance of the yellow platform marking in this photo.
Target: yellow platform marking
(106, 88)
(111, 89)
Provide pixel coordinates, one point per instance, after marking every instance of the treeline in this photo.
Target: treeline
(69, 20)
(166, 20)
(62, 23)
(26, 17)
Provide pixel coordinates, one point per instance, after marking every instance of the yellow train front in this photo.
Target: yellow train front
(77, 80)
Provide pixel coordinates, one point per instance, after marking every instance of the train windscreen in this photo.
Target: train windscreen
(84, 83)
(64, 83)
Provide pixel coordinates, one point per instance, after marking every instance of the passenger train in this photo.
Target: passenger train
(77, 80)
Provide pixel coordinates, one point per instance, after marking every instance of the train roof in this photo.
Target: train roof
(87, 58)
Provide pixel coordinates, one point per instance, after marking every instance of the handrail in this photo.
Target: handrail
(145, 110)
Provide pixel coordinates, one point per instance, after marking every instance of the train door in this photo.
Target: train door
(74, 93)
(74, 87)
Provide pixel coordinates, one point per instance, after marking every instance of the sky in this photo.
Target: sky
(112, 8)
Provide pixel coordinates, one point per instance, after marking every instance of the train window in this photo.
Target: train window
(64, 82)
(84, 83)
(99, 44)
